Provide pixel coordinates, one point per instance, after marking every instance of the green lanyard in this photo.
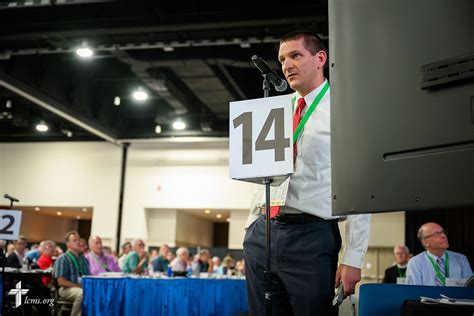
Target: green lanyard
(401, 273)
(99, 261)
(79, 266)
(438, 273)
(310, 110)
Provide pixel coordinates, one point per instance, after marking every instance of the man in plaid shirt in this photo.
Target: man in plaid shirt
(69, 269)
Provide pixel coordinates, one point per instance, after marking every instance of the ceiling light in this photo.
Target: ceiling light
(37, 209)
(67, 132)
(59, 213)
(228, 220)
(168, 48)
(117, 101)
(8, 104)
(140, 95)
(84, 52)
(42, 127)
(207, 211)
(218, 215)
(179, 125)
(84, 209)
(157, 129)
(78, 217)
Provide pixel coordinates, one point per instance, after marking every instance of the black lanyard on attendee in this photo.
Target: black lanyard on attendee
(78, 264)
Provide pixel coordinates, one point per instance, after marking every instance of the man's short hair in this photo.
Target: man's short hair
(402, 246)
(21, 237)
(421, 233)
(204, 251)
(182, 250)
(69, 233)
(125, 244)
(312, 42)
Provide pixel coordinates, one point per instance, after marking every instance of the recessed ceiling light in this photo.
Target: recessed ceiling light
(158, 129)
(37, 209)
(84, 52)
(84, 209)
(207, 211)
(117, 101)
(42, 127)
(140, 95)
(228, 220)
(59, 213)
(218, 215)
(78, 217)
(179, 125)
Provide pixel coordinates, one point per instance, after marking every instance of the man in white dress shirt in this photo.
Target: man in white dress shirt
(305, 238)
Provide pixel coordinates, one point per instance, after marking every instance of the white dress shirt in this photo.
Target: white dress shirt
(309, 189)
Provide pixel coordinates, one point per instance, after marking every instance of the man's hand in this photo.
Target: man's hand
(349, 276)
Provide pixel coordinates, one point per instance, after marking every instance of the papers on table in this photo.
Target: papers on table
(447, 300)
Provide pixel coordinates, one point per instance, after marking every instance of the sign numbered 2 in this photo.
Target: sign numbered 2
(9, 224)
(261, 138)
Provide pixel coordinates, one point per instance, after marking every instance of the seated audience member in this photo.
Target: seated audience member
(45, 261)
(15, 259)
(160, 263)
(204, 262)
(153, 254)
(99, 261)
(10, 249)
(400, 253)
(35, 252)
(126, 249)
(227, 266)
(108, 251)
(240, 267)
(83, 249)
(216, 263)
(181, 262)
(433, 266)
(137, 260)
(69, 269)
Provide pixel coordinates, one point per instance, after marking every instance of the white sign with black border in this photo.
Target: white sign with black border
(10, 221)
(261, 139)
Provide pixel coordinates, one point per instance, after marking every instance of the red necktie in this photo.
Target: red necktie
(274, 210)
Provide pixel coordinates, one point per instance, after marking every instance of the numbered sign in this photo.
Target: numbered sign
(261, 139)
(9, 224)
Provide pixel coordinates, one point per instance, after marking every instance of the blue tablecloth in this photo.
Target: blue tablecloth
(174, 297)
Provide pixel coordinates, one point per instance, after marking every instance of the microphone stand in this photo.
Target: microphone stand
(267, 181)
(3, 261)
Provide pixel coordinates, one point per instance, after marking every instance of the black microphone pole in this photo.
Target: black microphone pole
(267, 181)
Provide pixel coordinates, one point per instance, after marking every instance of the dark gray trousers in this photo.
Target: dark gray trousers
(303, 263)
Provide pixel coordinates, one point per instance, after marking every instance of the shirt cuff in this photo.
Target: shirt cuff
(353, 258)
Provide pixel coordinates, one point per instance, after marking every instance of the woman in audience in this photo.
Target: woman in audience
(227, 267)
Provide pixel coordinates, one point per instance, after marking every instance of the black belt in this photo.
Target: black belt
(301, 218)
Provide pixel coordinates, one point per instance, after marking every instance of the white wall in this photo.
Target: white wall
(161, 226)
(66, 174)
(166, 177)
(193, 231)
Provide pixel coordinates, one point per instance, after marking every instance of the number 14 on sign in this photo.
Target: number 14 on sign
(261, 134)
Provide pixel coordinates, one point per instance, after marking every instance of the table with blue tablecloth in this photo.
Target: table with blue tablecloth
(148, 296)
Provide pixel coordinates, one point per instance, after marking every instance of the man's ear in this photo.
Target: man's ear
(321, 58)
(425, 243)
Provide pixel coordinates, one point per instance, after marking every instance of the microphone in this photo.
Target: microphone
(11, 198)
(280, 84)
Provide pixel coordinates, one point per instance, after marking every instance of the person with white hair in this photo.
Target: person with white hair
(100, 262)
(401, 254)
(137, 260)
(181, 262)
